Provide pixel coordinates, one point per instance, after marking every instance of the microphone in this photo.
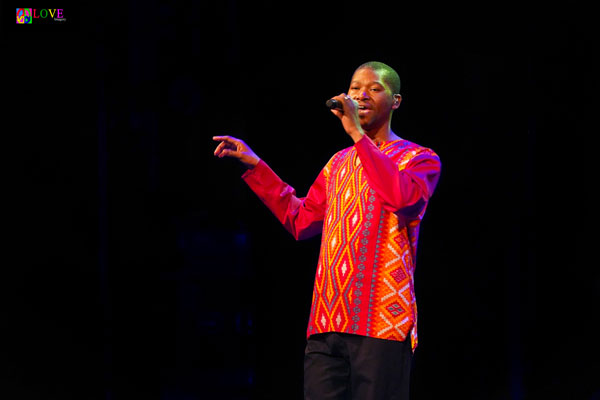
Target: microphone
(333, 103)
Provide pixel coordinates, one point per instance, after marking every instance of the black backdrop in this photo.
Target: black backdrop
(139, 266)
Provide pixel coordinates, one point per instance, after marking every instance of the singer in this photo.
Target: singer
(367, 202)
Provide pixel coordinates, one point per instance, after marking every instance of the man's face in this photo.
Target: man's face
(374, 96)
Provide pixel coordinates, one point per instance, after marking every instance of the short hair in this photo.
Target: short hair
(390, 76)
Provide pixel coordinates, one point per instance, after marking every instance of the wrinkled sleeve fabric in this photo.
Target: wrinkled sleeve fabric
(401, 190)
(301, 216)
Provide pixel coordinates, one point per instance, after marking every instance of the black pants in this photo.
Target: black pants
(340, 366)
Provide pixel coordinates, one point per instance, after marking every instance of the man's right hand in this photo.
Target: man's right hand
(236, 148)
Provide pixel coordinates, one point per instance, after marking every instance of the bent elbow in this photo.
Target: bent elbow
(413, 210)
(407, 210)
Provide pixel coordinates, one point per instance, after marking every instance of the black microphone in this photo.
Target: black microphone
(333, 103)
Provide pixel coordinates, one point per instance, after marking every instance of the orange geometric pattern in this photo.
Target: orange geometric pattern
(393, 293)
(337, 268)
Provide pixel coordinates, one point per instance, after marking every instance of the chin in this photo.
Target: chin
(366, 125)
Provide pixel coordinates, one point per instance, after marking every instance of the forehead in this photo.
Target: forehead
(368, 76)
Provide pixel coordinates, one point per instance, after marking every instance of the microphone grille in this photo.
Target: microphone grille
(332, 103)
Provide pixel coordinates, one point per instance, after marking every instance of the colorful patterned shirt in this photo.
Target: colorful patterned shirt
(367, 202)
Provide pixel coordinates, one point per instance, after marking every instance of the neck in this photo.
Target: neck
(382, 133)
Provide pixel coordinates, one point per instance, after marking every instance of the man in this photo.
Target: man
(367, 202)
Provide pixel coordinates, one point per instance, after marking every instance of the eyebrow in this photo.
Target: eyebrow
(372, 83)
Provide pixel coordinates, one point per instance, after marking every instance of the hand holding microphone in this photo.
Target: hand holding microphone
(346, 110)
(337, 102)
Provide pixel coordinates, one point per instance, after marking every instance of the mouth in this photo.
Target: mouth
(362, 109)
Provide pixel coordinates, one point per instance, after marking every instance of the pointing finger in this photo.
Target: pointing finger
(225, 139)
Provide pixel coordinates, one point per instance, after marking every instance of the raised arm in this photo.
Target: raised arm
(301, 216)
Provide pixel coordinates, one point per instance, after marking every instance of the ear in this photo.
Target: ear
(397, 101)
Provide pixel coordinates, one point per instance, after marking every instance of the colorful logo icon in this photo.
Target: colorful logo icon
(24, 15)
(40, 15)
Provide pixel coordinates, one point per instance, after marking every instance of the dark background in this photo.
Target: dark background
(138, 266)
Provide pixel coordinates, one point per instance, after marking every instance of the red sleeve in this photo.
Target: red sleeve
(301, 216)
(404, 190)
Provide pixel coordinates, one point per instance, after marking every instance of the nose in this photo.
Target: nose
(361, 95)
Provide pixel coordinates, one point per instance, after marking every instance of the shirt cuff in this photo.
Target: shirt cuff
(258, 168)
